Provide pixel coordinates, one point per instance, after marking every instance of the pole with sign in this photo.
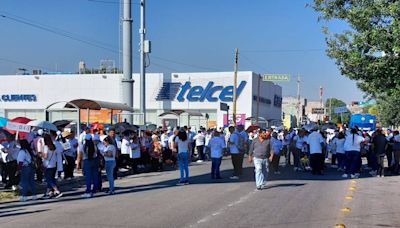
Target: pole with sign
(276, 77)
(225, 107)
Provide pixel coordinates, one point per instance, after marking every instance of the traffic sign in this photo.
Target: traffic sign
(276, 77)
(223, 106)
(339, 110)
(318, 111)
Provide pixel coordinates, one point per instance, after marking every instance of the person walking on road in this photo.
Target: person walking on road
(237, 143)
(50, 163)
(90, 166)
(316, 143)
(352, 146)
(260, 153)
(109, 157)
(379, 146)
(27, 170)
(200, 141)
(182, 144)
(217, 145)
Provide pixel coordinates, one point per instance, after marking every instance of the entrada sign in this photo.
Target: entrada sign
(19, 98)
(210, 93)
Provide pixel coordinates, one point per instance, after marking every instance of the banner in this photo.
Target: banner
(240, 119)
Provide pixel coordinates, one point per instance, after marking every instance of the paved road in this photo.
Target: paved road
(153, 200)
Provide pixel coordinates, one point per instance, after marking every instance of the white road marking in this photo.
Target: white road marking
(221, 210)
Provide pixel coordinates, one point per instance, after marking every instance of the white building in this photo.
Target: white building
(29, 95)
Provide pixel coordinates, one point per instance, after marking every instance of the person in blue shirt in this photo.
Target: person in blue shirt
(277, 146)
(217, 146)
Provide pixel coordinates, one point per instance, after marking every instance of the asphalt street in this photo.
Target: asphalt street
(291, 199)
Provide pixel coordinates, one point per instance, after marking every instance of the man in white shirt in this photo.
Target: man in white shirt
(316, 141)
(200, 141)
(125, 151)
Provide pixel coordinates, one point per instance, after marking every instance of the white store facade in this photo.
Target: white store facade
(196, 95)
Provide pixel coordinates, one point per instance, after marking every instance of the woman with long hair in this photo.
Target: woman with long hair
(182, 143)
(109, 157)
(27, 170)
(50, 163)
(90, 166)
(338, 146)
(352, 146)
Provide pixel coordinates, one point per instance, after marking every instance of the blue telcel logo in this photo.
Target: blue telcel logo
(209, 93)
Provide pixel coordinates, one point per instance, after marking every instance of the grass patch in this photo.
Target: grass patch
(8, 195)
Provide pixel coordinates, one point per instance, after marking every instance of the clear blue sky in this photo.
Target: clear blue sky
(200, 34)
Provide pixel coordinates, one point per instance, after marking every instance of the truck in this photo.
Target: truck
(364, 121)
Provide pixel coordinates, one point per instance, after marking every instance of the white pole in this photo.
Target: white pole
(142, 32)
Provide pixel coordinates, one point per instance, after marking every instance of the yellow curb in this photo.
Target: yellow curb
(346, 209)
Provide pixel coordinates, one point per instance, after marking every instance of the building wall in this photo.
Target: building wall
(49, 89)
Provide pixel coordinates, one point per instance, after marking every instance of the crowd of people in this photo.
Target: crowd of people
(53, 155)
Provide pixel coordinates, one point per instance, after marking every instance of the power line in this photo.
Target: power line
(252, 62)
(284, 50)
(184, 64)
(111, 2)
(92, 43)
(58, 33)
(24, 64)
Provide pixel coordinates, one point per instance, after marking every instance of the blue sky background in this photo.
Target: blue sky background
(273, 36)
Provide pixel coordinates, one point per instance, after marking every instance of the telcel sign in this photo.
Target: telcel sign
(210, 93)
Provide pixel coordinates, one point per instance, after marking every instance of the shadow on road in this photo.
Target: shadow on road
(71, 193)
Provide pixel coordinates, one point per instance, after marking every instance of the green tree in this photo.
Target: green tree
(333, 103)
(367, 52)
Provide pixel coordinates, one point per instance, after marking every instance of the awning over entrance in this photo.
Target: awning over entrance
(177, 113)
(97, 105)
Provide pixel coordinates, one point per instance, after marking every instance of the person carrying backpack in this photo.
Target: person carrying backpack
(90, 166)
(238, 145)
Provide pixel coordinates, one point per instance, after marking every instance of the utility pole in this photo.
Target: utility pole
(142, 32)
(330, 109)
(321, 92)
(235, 86)
(299, 112)
(258, 98)
(127, 81)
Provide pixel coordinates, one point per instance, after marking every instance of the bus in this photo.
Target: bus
(364, 121)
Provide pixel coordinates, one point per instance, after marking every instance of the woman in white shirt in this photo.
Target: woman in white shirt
(338, 147)
(26, 168)
(182, 144)
(352, 146)
(135, 153)
(50, 163)
(109, 156)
